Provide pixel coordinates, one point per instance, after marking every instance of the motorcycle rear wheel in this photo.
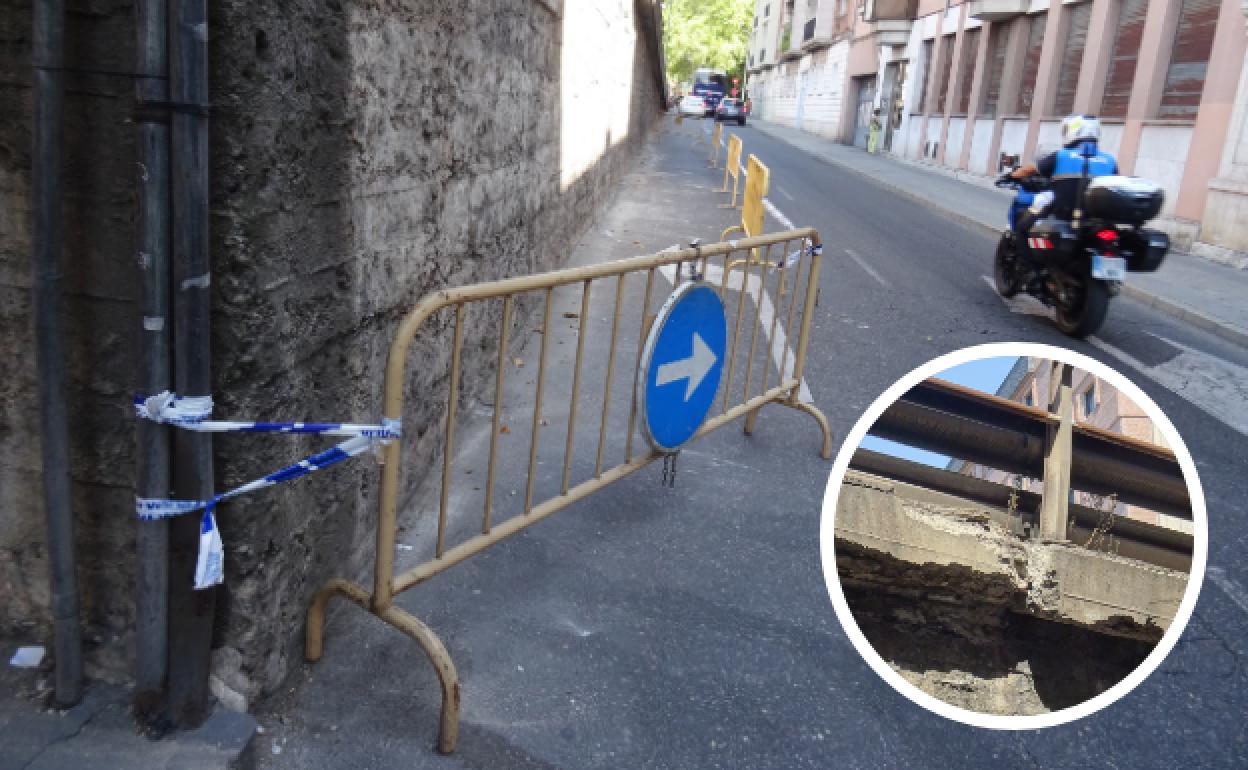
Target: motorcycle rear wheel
(1085, 315)
(1005, 267)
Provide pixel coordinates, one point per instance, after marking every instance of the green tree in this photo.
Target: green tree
(705, 33)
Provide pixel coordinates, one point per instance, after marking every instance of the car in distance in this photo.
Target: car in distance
(732, 109)
(693, 105)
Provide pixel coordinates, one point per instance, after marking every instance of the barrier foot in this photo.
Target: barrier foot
(730, 230)
(444, 667)
(448, 729)
(820, 418)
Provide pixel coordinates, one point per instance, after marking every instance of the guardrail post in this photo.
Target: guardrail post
(1055, 501)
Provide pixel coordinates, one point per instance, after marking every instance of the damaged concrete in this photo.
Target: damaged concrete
(971, 612)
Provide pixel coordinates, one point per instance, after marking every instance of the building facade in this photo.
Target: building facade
(1097, 403)
(797, 61)
(981, 85)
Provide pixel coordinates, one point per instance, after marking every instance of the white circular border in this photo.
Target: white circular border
(994, 721)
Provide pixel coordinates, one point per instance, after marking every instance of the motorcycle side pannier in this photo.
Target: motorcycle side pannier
(1144, 249)
(1124, 200)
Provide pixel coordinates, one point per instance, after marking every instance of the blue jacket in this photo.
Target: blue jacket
(1066, 166)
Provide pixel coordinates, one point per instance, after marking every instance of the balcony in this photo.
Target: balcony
(891, 32)
(787, 49)
(889, 10)
(997, 10)
(817, 33)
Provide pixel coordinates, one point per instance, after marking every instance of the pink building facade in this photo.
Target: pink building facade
(978, 85)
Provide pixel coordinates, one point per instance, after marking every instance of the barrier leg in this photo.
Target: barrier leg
(444, 667)
(820, 418)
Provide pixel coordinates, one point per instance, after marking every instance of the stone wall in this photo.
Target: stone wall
(362, 155)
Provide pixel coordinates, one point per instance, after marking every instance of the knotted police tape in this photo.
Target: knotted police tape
(192, 413)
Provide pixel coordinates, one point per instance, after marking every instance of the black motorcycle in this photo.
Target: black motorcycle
(1075, 267)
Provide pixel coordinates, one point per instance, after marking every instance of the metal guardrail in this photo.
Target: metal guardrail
(989, 430)
(738, 400)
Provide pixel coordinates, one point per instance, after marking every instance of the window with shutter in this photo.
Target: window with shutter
(970, 48)
(945, 71)
(1031, 64)
(927, 75)
(1122, 60)
(1072, 58)
(998, 39)
(1185, 77)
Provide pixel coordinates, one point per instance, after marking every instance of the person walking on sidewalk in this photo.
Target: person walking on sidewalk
(873, 136)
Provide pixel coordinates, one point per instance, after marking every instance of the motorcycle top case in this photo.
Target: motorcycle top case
(1144, 249)
(1123, 199)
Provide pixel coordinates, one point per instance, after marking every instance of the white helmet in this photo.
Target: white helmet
(1080, 128)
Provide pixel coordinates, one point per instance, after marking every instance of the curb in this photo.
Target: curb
(1215, 326)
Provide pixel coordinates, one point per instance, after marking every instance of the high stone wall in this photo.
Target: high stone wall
(362, 155)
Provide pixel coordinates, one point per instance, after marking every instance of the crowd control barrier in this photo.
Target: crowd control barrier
(744, 390)
(732, 168)
(717, 138)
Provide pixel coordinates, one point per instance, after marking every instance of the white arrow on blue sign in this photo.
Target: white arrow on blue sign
(681, 365)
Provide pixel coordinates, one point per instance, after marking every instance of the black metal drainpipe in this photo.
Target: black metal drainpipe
(190, 612)
(48, 58)
(152, 537)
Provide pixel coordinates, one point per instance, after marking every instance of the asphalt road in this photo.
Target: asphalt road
(691, 627)
(909, 285)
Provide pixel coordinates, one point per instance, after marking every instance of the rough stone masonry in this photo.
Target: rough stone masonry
(362, 155)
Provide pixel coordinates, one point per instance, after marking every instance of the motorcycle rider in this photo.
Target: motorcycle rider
(1066, 171)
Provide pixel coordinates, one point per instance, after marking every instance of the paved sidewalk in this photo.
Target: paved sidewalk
(1205, 294)
(100, 732)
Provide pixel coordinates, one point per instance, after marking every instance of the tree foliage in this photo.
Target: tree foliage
(705, 33)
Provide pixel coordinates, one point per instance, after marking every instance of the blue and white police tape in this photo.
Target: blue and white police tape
(209, 568)
(192, 413)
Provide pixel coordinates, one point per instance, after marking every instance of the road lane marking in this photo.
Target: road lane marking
(870, 270)
(781, 353)
(1218, 388)
(785, 194)
(1228, 585)
(1022, 304)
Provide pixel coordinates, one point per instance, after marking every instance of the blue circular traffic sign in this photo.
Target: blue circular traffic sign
(681, 365)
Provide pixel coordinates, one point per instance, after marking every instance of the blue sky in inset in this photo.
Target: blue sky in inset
(984, 374)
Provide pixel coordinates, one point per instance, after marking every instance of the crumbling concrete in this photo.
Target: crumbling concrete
(978, 616)
(362, 155)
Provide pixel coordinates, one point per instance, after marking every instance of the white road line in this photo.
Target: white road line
(1218, 388)
(785, 194)
(1022, 304)
(1234, 590)
(870, 270)
(782, 355)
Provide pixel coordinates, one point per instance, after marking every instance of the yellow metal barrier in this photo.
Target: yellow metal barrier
(738, 399)
(716, 138)
(732, 168)
(757, 183)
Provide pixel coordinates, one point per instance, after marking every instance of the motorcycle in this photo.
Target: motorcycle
(1076, 267)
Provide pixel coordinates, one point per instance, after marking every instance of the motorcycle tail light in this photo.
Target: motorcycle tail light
(1107, 235)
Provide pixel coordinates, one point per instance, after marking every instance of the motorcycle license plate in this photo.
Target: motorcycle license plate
(1109, 268)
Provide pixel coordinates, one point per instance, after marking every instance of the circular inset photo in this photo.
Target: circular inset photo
(1014, 536)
